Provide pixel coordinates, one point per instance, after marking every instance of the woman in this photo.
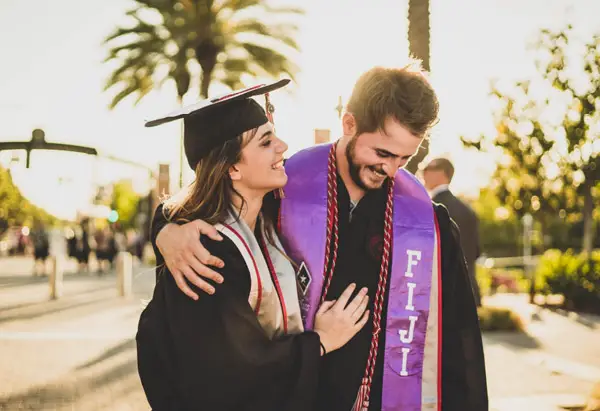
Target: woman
(243, 348)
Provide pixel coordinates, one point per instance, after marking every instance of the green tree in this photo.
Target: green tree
(547, 133)
(171, 39)
(204, 40)
(125, 201)
(15, 209)
(418, 43)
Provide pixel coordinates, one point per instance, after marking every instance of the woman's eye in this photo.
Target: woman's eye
(267, 143)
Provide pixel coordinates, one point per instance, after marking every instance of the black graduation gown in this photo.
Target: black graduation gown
(464, 386)
(360, 245)
(212, 354)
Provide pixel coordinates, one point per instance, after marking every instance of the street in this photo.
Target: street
(78, 352)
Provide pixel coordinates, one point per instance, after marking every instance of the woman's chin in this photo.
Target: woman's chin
(280, 182)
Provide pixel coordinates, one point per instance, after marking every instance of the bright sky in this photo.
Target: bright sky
(51, 76)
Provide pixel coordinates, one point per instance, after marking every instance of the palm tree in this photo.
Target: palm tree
(418, 42)
(198, 40)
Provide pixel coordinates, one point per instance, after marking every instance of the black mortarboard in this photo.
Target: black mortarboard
(210, 123)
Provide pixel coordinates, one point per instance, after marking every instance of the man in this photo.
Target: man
(438, 176)
(349, 214)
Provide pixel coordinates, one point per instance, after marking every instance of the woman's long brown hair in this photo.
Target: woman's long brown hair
(210, 196)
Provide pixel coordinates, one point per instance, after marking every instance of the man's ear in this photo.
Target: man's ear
(234, 173)
(349, 124)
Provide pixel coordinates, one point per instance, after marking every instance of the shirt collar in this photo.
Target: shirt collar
(439, 189)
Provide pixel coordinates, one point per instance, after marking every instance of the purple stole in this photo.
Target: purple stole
(410, 340)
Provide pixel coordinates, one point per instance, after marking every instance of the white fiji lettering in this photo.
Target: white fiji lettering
(411, 292)
(406, 336)
(403, 371)
(412, 254)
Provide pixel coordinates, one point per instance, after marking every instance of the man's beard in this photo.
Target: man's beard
(355, 169)
(352, 166)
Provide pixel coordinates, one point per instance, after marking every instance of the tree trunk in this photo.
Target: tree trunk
(419, 30)
(418, 43)
(206, 80)
(588, 219)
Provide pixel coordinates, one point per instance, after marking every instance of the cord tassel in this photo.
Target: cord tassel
(362, 402)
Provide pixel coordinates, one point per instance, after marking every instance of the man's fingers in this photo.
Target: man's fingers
(197, 281)
(207, 229)
(343, 300)
(215, 262)
(205, 257)
(182, 284)
(204, 271)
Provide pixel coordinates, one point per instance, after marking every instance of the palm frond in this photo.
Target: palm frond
(142, 46)
(121, 32)
(128, 68)
(230, 72)
(283, 9)
(240, 46)
(144, 86)
(237, 5)
(270, 60)
(279, 32)
(129, 89)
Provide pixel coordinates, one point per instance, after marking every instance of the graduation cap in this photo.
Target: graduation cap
(210, 123)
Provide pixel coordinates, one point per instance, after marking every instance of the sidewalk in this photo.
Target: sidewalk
(552, 367)
(78, 353)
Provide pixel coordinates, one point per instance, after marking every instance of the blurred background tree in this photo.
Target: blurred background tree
(202, 40)
(197, 42)
(125, 202)
(16, 210)
(547, 136)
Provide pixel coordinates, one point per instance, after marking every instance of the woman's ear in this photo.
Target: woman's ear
(234, 173)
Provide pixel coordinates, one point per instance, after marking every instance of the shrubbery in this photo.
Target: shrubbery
(499, 319)
(575, 276)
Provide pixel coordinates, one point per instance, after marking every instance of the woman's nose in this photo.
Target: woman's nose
(282, 146)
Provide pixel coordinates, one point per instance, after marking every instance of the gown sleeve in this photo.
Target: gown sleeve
(158, 223)
(212, 354)
(464, 386)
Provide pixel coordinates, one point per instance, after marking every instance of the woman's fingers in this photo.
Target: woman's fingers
(361, 323)
(360, 309)
(341, 303)
(325, 306)
(357, 301)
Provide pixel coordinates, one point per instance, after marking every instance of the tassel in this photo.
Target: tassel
(269, 108)
(362, 402)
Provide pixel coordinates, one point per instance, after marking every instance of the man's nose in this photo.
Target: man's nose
(391, 167)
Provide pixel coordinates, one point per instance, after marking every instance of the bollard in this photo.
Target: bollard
(56, 277)
(124, 273)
